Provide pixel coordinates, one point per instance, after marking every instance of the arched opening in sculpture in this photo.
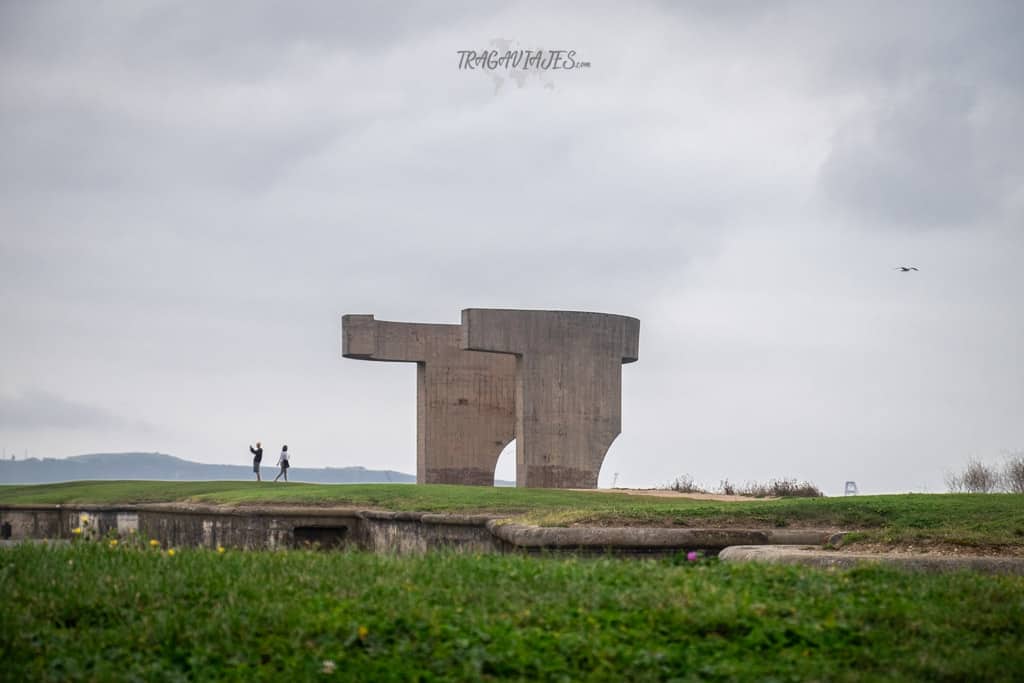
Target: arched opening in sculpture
(615, 469)
(505, 469)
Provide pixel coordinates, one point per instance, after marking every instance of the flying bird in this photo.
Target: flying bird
(904, 269)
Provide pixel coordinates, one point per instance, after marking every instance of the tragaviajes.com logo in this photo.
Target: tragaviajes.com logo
(506, 59)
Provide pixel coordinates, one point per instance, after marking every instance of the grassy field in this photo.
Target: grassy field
(94, 612)
(992, 522)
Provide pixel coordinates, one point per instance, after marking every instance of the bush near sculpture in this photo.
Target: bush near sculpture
(775, 488)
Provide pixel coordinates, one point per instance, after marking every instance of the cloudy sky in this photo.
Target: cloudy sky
(192, 194)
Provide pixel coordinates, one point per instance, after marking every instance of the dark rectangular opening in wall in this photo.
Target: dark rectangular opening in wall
(325, 537)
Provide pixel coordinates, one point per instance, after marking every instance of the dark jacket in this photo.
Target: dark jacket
(258, 452)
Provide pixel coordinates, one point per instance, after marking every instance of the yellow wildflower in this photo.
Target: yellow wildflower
(220, 549)
(77, 531)
(363, 632)
(113, 543)
(153, 543)
(170, 552)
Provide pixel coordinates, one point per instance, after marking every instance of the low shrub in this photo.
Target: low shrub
(782, 488)
(776, 488)
(978, 477)
(685, 484)
(1013, 473)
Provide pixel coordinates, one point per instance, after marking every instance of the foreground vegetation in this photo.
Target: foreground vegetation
(90, 611)
(991, 522)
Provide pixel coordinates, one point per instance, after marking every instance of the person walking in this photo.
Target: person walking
(283, 463)
(257, 458)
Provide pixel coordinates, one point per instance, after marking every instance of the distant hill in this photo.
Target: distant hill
(168, 467)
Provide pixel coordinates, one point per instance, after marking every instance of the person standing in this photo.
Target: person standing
(257, 458)
(283, 463)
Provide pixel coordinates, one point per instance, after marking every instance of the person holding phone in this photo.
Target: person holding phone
(257, 458)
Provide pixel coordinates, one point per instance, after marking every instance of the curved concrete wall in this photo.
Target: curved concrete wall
(568, 386)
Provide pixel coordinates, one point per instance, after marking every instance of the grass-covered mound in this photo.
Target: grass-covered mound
(94, 612)
(990, 522)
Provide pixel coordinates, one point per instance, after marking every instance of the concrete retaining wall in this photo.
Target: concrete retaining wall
(277, 527)
(643, 541)
(259, 528)
(413, 532)
(32, 523)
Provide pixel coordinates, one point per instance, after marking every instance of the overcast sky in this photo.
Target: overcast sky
(192, 194)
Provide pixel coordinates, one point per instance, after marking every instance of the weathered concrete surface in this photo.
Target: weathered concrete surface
(465, 401)
(42, 521)
(177, 524)
(415, 533)
(250, 529)
(639, 540)
(271, 527)
(815, 557)
(568, 386)
(259, 527)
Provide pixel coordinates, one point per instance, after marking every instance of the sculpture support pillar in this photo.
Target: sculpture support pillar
(568, 386)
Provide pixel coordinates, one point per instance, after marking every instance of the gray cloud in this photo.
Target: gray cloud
(235, 40)
(937, 84)
(916, 163)
(39, 410)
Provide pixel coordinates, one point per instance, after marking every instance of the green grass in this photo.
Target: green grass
(980, 520)
(90, 612)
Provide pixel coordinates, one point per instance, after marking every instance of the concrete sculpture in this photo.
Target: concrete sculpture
(465, 401)
(568, 386)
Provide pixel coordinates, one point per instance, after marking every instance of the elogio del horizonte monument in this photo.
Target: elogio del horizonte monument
(552, 380)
